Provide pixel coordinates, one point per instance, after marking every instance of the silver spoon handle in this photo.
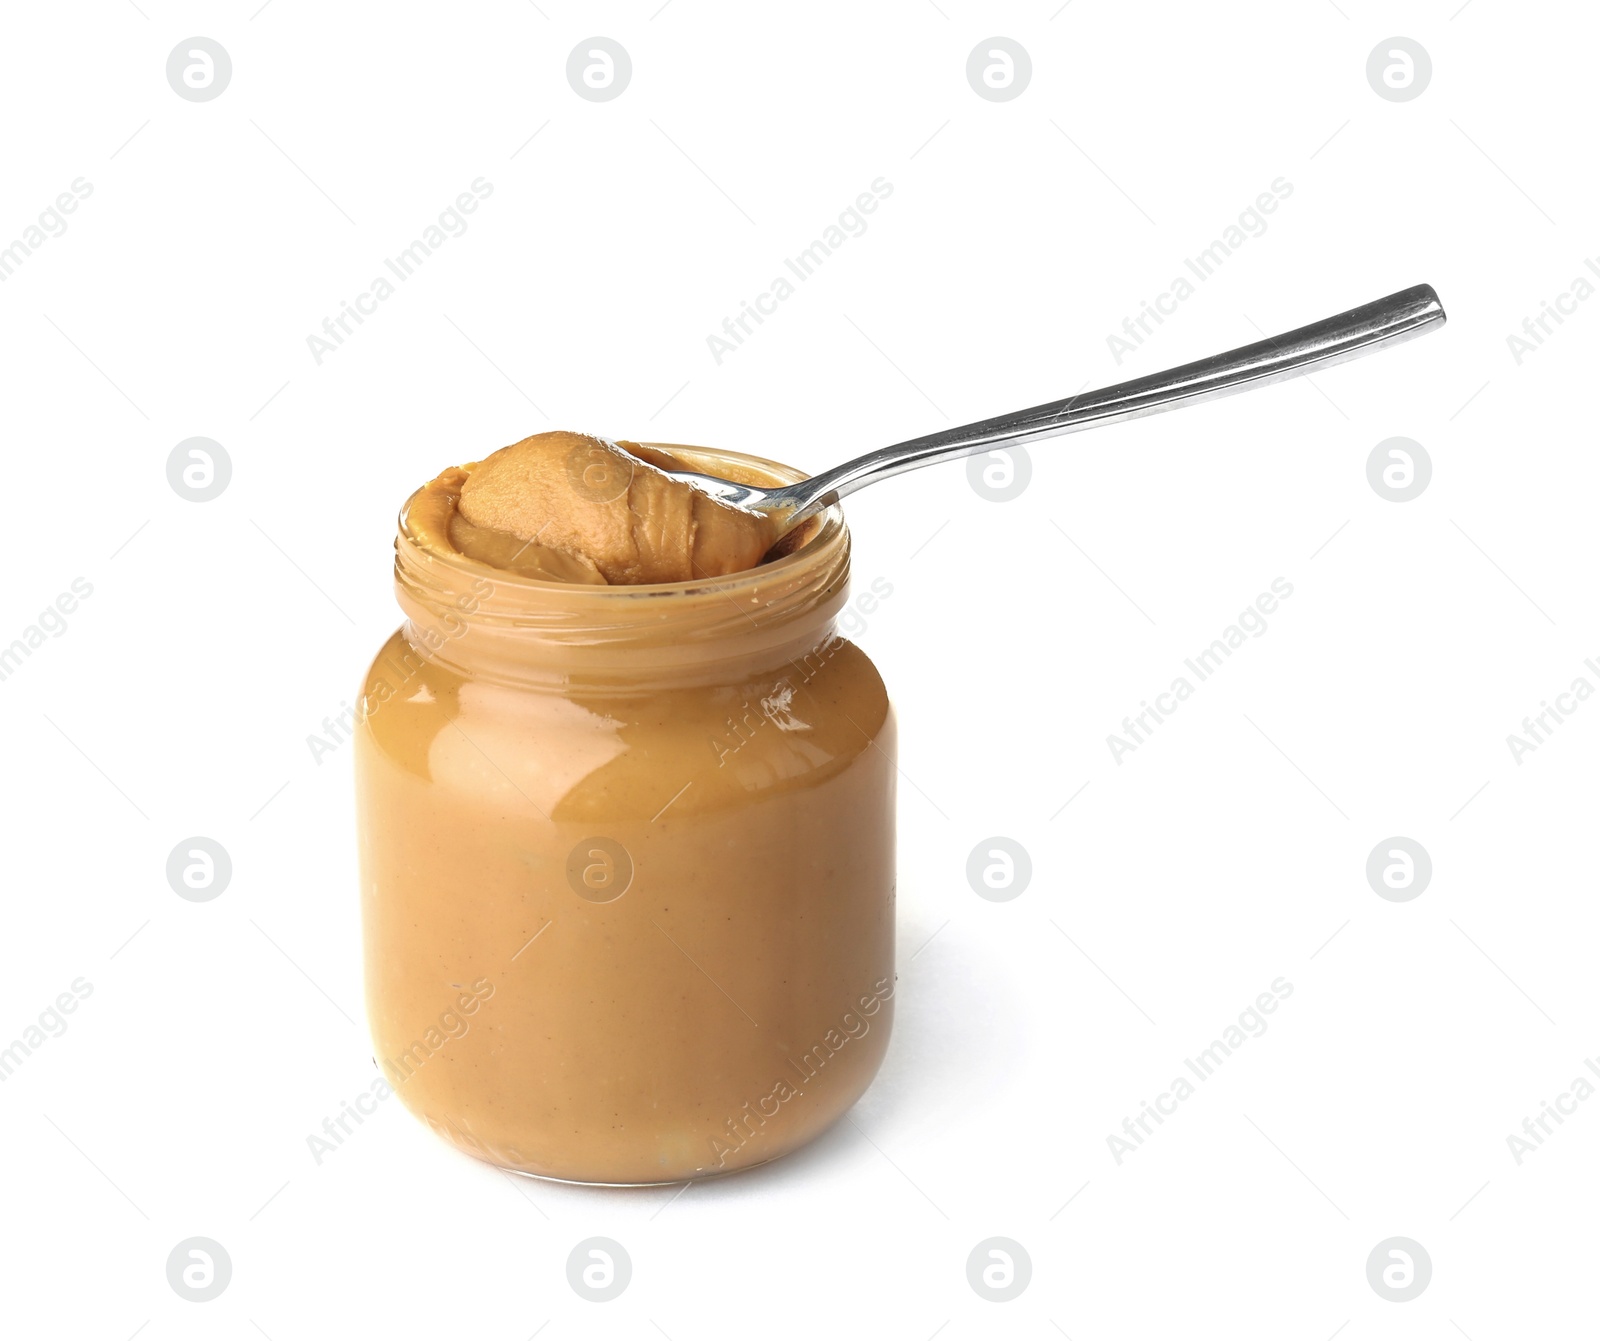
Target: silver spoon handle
(1388, 321)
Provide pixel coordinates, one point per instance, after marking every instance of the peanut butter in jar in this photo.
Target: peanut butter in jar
(627, 846)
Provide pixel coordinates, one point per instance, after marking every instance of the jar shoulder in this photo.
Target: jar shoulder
(793, 725)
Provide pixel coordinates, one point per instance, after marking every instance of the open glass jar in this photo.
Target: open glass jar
(627, 860)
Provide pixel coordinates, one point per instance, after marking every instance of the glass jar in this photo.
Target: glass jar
(627, 860)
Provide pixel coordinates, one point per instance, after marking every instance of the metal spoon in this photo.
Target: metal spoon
(1388, 321)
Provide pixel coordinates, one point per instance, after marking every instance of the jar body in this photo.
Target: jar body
(628, 933)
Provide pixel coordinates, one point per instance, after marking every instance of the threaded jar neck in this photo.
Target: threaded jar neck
(484, 623)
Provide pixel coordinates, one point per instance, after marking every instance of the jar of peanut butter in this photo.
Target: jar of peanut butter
(627, 849)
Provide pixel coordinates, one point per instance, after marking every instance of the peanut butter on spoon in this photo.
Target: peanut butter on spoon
(572, 507)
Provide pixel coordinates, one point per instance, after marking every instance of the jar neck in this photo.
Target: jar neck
(484, 624)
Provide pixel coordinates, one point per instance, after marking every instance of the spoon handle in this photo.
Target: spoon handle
(1388, 321)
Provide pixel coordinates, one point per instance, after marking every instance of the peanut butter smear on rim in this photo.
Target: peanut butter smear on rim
(571, 507)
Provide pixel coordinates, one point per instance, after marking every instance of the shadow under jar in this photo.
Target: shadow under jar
(627, 860)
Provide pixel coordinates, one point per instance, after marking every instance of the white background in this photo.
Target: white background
(1226, 852)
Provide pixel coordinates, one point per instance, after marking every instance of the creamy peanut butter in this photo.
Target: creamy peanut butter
(627, 856)
(570, 507)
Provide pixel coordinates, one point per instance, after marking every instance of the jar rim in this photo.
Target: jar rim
(831, 533)
(772, 606)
